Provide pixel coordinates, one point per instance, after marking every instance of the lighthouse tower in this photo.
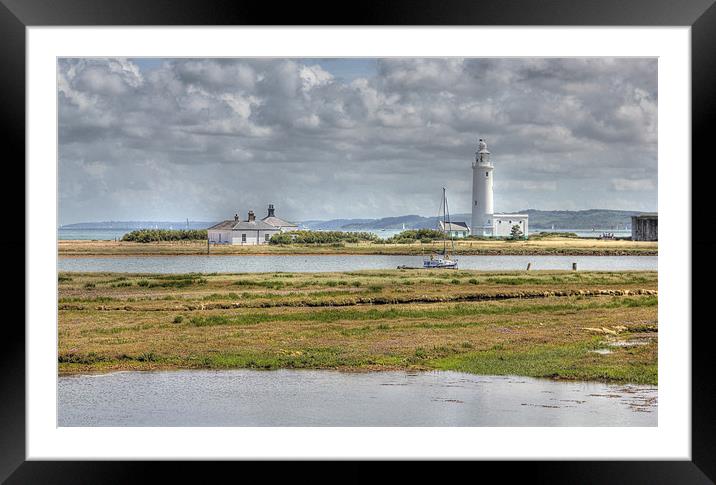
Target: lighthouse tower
(482, 210)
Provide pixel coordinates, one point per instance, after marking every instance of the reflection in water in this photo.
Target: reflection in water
(257, 264)
(331, 398)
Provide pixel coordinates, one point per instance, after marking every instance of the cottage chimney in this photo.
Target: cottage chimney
(236, 217)
(270, 211)
(252, 216)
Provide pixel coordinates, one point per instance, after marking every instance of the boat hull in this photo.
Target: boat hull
(429, 264)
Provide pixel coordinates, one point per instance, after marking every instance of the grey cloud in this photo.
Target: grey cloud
(202, 138)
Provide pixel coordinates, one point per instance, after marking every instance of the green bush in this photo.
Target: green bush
(152, 235)
(322, 237)
(544, 234)
(413, 235)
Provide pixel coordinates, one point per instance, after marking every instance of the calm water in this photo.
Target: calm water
(259, 264)
(91, 234)
(329, 398)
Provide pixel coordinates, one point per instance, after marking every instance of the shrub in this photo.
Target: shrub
(152, 235)
(322, 237)
(516, 232)
(178, 319)
(412, 235)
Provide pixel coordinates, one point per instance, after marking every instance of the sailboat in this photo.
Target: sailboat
(442, 260)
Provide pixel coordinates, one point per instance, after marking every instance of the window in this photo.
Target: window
(487, 174)
(475, 203)
(243, 238)
(268, 236)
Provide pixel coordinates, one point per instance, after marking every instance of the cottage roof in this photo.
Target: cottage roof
(243, 226)
(223, 226)
(453, 226)
(277, 222)
(253, 226)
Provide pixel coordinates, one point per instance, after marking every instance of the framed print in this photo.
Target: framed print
(426, 233)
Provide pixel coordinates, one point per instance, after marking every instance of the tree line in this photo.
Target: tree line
(322, 237)
(152, 235)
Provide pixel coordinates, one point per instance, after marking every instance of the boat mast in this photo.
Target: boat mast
(449, 225)
(444, 225)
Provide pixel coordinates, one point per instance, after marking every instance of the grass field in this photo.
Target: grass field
(546, 246)
(567, 325)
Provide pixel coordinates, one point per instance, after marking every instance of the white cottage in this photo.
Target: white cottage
(455, 229)
(249, 232)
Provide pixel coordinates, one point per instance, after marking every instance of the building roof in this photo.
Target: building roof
(253, 226)
(454, 226)
(223, 226)
(243, 226)
(514, 216)
(277, 222)
(647, 214)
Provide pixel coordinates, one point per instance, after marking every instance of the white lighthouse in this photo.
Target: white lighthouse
(482, 209)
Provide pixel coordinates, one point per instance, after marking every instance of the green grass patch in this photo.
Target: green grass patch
(573, 361)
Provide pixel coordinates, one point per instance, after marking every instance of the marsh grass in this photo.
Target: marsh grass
(383, 319)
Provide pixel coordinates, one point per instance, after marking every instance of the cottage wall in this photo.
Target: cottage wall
(234, 237)
(252, 237)
(219, 237)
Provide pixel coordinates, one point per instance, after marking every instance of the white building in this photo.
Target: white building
(250, 231)
(484, 220)
(284, 226)
(455, 229)
(502, 224)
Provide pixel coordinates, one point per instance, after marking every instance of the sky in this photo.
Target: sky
(171, 139)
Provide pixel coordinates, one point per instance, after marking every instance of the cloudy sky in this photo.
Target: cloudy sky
(170, 139)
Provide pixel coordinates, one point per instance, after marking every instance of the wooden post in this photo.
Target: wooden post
(528, 266)
(208, 247)
(574, 266)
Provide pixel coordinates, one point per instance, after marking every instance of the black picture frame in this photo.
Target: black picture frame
(700, 15)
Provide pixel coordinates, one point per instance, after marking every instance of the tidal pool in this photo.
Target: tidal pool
(331, 398)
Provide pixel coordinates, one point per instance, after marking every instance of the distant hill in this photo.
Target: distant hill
(333, 224)
(539, 219)
(584, 219)
(139, 225)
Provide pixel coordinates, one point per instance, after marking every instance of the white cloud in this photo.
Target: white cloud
(225, 133)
